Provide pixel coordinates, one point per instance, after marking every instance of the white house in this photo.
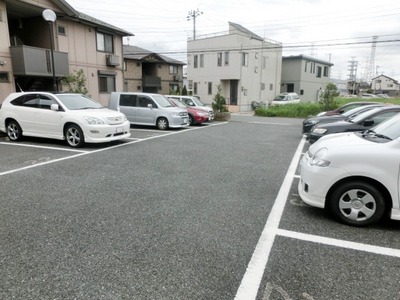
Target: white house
(383, 84)
(246, 66)
(305, 75)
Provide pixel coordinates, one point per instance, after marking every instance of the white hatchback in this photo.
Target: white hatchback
(71, 117)
(355, 175)
(286, 98)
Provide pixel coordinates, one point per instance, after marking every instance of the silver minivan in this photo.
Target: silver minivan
(149, 109)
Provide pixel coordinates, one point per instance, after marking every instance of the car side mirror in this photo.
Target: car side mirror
(150, 105)
(368, 122)
(54, 107)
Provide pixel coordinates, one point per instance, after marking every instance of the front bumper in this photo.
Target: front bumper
(106, 133)
(179, 122)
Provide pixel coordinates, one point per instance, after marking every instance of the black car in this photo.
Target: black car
(361, 122)
(345, 107)
(312, 121)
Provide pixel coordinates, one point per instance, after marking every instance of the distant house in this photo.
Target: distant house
(244, 65)
(383, 84)
(305, 75)
(146, 71)
(80, 43)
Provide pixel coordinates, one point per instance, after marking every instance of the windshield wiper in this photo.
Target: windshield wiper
(382, 136)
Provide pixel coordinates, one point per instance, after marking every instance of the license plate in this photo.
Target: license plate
(120, 129)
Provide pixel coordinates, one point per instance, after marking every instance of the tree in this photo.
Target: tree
(76, 82)
(219, 103)
(184, 91)
(328, 95)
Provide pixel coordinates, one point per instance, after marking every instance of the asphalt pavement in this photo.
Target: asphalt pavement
(179, 215)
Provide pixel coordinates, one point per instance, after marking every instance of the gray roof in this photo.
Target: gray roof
(309, 58)
(245, 31)
(86, 19)
(137, 53)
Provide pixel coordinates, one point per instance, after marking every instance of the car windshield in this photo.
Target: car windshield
(364, 114)
(356, 111)
(198, 101)
(389, 128)
(280, 98)
(162, 101)
(178, 103)
(78, 101)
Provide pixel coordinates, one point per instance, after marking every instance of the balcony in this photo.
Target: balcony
(32, 61)
(151, 81)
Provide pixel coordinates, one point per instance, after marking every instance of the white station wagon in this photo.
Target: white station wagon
(71, 117)
(355, 175)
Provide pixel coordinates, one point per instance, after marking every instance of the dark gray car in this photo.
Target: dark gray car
(361, 122)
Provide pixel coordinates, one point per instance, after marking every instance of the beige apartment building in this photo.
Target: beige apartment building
(80, 42)
(149, 72)
(246, 66)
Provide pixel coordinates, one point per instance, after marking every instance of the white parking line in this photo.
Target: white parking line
(42, 147)
(81, 153)
(339, 243)
(252, 278)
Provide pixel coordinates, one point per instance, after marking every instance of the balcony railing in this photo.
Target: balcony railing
(151, 81)
(32, 61)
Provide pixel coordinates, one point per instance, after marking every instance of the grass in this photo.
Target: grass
(305, 110)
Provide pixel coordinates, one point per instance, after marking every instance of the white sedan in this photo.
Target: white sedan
(286, 98)
(355, 175)
(71, 117)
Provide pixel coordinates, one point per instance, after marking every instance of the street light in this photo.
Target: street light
(50, 17)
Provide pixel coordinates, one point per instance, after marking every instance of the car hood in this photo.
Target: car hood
(176, 109)
(98, 112)
(340, 140)
(325, 119)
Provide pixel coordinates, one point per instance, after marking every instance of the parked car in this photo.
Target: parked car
(193, 101)
(385, 96)
(71, 117)
(312, 121)
(345, 108)
(367, 95)
(196, 115)
(355, 175)
(361, 122)
(286, 98)
(149, 109)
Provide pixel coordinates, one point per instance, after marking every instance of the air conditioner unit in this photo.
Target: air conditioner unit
(112, 60)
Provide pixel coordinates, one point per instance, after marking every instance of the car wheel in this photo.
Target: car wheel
(357, 203)
(191, 120)
(162, 123)
(74, 136)
(14, 131)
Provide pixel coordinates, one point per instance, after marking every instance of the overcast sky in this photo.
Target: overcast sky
(338, 31)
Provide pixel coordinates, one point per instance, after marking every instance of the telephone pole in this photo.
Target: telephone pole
(193, 14)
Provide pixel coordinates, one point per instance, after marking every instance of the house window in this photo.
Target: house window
(219, 59)
(173, 69)
(264, 62)
(105, 42)
(301, 92)
(201, 60)
(226, 60)
(61, 30)
(271, 86)
(210, 88)
(305, 67)
(326, 71)
(4, 77)
(319, 72)
(196, 61)
(194, 88)
(106, 83)
(312, 69)
(390, 85)
(245, 59)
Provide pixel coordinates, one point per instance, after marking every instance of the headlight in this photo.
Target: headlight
(94, 121)
(319, 130)
(201, 114)
(318, 158)
(310, 122)
(175, 114)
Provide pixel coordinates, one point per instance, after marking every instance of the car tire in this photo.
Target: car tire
(14, 131)
(357, 203)
(74, 136)
(162, 123)
(191, 120)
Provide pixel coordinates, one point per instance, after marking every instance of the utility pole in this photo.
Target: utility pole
(193, 14)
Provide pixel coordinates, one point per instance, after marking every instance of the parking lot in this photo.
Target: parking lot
(207, 212)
